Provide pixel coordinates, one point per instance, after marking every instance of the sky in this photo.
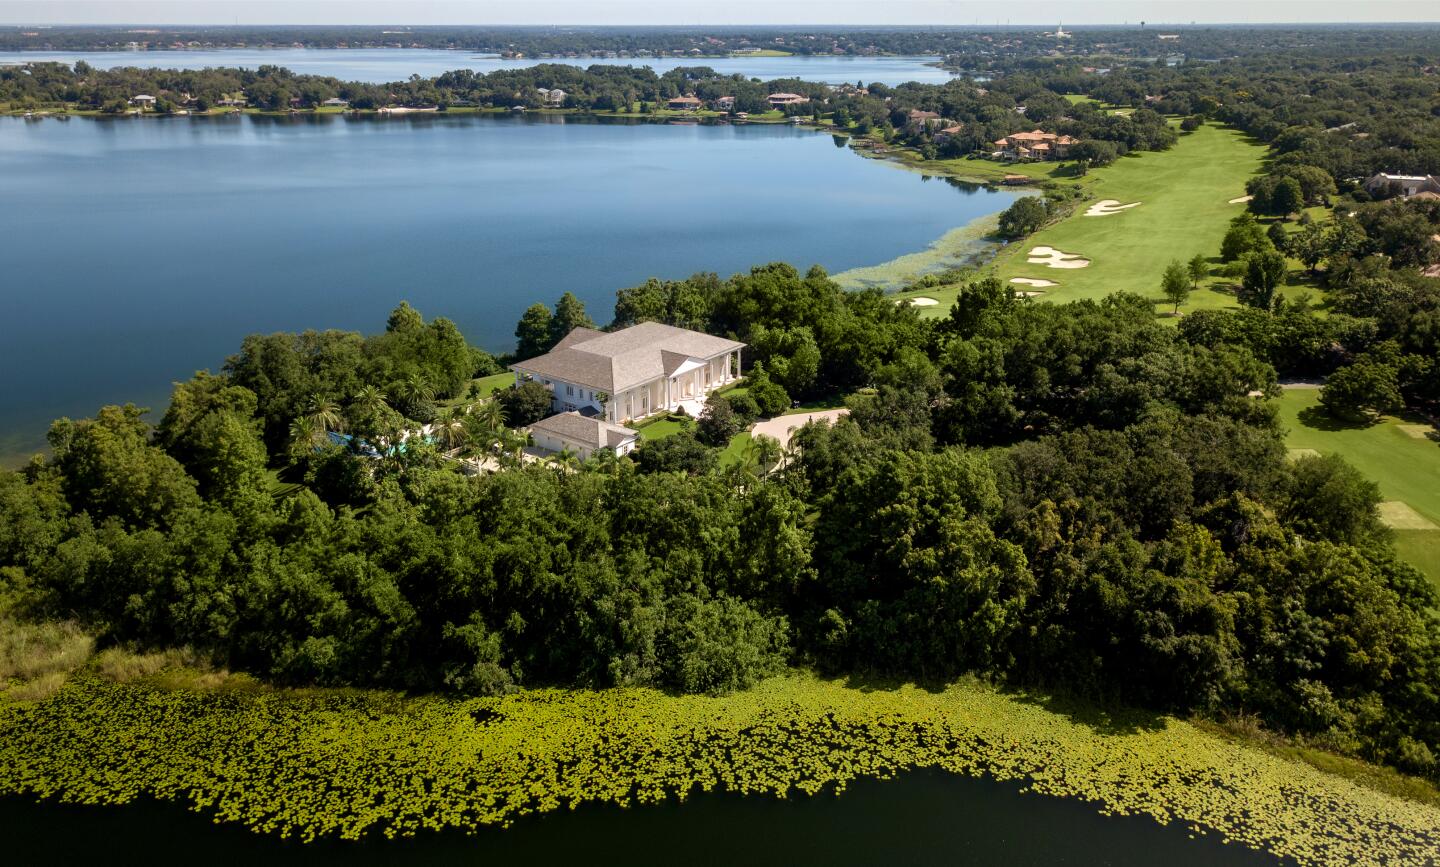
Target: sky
(723, 12)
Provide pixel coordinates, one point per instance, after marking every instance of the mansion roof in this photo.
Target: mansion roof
(620, 360)
(582, 430)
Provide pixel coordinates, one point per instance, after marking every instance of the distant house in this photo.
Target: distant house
(583, 435)
(918, 120)
(1016, 180)
(144, 100)
(780, 100)
(552, 97)
(724, 103)
(1034, 145)
(1388, 186)
(683, 103)
(949, 132)
(336, 102)
(634, 372)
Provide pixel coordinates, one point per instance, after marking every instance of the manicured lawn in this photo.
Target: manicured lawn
(662, 427)
(734, 451)
(488, 386)
(277, 488)
(1184, 194)
(833, 401)
(1405, 466)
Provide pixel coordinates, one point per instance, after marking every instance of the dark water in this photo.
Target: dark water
(135, 251)
(922, 818)
(397, 64)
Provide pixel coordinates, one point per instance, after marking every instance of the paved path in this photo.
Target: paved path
(781, 426)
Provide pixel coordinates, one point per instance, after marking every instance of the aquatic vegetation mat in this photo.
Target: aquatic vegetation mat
(346, 764)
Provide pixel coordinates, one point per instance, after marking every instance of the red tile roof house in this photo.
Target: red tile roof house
(1036, 145)
(635, 372)
(724, 103)
(918, 119)
(779, 100)
(683, 103)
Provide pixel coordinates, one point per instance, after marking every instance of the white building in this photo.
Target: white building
(144, 100)
(1404, 186)
(582, 435)
(635, 372)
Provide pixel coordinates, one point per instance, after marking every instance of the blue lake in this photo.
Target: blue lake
(136, 251)
(396, 64)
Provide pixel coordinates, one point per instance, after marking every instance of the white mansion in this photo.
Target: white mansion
(635, 372)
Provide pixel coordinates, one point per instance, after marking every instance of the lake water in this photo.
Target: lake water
(396, 64)
(921, 818)
(136, 251)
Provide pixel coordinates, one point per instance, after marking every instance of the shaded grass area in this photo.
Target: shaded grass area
(1405, 466)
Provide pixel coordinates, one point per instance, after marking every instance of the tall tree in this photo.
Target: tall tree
(1176, 284)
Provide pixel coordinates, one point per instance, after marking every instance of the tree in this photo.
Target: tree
(449, 429)
(1198, 268)
(1327, 498)
(678, 453)
(1024, 216)
(770, 398)
(1244, 236)
(404, 319)
(1264, 271)
(1176, 284)
(1366, 389)
(1287, 198)
(718, 422)
(533, 332)
(525, 404)
(569, 315)
(1308, 245)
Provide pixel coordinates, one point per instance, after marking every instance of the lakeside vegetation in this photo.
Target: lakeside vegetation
(410, 765)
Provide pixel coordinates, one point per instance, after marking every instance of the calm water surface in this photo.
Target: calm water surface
(922, 818)
(396, 64)
(136, 251)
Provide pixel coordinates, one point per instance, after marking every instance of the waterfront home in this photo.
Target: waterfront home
(780, 100)
(553, 98)
(948, 132)
(635, 372)
(144, 100)
(683, 103)
(336, 102)
(1034, 145)
(583, 435)
(724, 103)
(918, 120)
(1386, 186)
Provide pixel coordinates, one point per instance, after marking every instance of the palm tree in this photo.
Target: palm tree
(449, 429)
(304, 435)
(323, 413)
(566, 460)
(763, 451)
(489, 413)
(414, 389)
(371, 401)
(606, 461)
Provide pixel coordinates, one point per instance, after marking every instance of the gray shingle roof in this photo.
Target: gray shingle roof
(590, 432)
(621, 360)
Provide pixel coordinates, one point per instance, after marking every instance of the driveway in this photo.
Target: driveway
(781, 426)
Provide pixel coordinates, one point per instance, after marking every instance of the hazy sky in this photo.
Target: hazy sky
(720, 12)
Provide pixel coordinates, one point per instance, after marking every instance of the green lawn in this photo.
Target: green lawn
(1184, 194)
(734, 451)
(488, 385)
(1405, 466)
(663, 426)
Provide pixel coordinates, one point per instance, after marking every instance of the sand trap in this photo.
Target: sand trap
(1400, 516)
(1297, 454)
(1053, 258)
(1242, 200)
(1031, 281)
(1418, 431)
(1106, 207)
(918, 302)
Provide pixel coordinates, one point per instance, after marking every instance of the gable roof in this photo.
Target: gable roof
(584, 431)
(620, 360)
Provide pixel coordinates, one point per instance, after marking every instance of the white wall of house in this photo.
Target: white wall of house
(552, 443)
(658, 395)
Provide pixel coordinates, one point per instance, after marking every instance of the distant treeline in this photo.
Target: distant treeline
(980, 45)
